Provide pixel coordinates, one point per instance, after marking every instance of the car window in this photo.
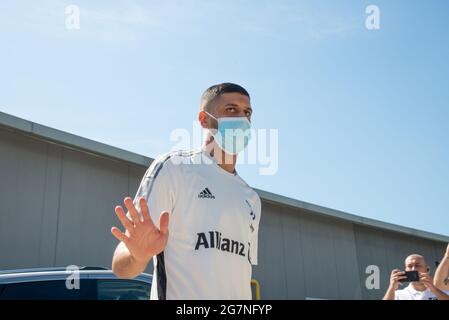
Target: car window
(120, 289)
(41, 290)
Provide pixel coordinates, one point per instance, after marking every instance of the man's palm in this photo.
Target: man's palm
(142, 238)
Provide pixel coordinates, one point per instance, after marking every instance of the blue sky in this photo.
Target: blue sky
(362, 114)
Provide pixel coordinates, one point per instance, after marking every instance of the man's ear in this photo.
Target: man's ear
(202, 118)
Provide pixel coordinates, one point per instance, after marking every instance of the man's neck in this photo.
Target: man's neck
(227, 167)
(225, 161)
(418, 286)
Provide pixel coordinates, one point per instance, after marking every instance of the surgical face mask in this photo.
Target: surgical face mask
(233, 133)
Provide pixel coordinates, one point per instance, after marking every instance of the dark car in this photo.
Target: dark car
(93, 283)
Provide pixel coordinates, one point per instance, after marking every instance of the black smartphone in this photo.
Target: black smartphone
(412, 276)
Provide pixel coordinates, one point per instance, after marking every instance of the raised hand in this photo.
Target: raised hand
(142, 238)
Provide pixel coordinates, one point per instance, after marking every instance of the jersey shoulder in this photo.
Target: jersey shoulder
(171, 161)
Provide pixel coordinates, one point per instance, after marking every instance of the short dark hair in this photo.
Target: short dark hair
(218, 89)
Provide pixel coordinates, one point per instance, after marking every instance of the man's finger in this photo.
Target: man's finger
(119, 235)
(163, 222)
(132, 210)
(123, 219)
(145, 211)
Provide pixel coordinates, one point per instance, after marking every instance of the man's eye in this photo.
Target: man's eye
(231, 109)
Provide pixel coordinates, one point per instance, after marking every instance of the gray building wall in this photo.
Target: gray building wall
(56, 209)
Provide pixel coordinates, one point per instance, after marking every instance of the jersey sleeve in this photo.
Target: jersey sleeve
(255, 235)
(158, 188)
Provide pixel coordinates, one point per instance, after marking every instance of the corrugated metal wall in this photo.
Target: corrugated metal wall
(57, 204)
(388, 250)
(57, 209)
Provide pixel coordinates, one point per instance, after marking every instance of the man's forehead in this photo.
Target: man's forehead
(414, 259)
(234, 98)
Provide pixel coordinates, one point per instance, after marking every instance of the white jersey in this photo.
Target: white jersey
(213, 227)
(410, 293)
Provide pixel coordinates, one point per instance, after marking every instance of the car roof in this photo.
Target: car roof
(59, 273)
(48, 269)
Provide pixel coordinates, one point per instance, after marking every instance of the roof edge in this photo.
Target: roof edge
(341, 215)
(72, 140)
(98, 148)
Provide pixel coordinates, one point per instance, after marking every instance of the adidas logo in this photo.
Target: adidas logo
(206, 194)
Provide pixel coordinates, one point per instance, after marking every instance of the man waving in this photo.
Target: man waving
(193, 214)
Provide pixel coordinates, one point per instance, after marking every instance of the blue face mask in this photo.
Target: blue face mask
(233, 133)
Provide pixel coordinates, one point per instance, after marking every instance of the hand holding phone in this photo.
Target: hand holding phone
(412, 276)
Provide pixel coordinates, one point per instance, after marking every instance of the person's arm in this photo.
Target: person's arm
(124, 265)
(389, 295)
(442, 272)
(428, 282)
(439, 294)
(396, 275)
(141, 241)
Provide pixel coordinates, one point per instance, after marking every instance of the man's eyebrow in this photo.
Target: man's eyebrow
(235, 105)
